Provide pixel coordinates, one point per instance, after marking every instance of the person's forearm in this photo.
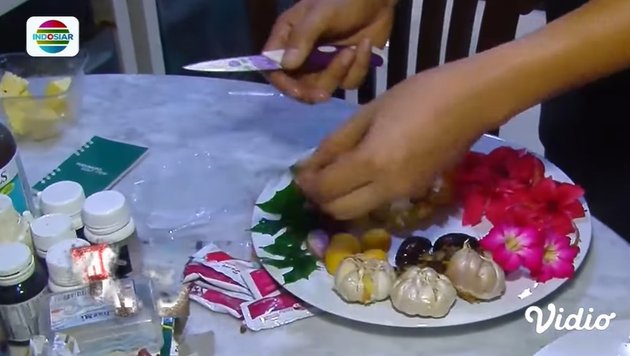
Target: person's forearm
(589, 43)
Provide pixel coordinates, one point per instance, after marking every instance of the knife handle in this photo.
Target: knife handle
(321, 56)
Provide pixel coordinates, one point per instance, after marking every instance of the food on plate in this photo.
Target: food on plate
(410, 251)
(378, 239)
(360, 279)
(375, 253)
(476, 277)
(423, 292)
(346, 242)
(450, 243)
(317, 243)
(333, 258)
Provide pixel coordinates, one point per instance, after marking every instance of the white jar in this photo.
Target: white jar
(13, 227)
(107, 219)
(61, 270)
(65, 197)
(49, 229)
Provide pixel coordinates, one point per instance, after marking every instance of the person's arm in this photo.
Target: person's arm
(589, 43)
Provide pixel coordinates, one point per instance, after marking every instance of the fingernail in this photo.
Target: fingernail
(291, 58)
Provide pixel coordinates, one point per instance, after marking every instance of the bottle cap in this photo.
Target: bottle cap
(55, 288)
(105, 212)
(65, 197)
(16, 263)
(60, 264)
(50, 229)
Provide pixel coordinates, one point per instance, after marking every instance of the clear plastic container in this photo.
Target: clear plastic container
(95, 325)
(50, 98)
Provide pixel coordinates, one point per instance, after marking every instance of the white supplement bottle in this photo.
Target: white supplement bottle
(49, 229)
(65, 197)
(22, 285)
(13, 226)
(108, 220)
(62, 275)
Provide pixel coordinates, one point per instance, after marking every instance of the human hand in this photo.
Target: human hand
(363, 23)
(395, 146)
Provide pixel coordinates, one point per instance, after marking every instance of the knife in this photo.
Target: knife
(317, 60)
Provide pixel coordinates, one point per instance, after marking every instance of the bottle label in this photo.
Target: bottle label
(77, 308)
(11, 184)
(20, 320)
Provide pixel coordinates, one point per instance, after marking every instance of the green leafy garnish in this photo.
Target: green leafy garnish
(287, 249)
(284, 201)
(268, 227)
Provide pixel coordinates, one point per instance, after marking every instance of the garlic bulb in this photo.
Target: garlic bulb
(364, 280)
(475, 276)
(423, 292)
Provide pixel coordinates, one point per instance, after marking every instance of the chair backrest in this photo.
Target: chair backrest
(498, 25)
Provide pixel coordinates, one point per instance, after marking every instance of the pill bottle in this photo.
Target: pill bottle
(13, 226)
(22, 285)
(108, 220)
(12, 177)
(65, 197)
(62, 275)
(49, 229)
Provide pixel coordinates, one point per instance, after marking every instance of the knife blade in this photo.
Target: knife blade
(317, 60)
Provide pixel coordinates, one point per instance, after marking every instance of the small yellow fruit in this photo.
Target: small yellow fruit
(333, 258)
(12, 85)
(346, 242)
(376, 254)
(54, 91)
(376, 239)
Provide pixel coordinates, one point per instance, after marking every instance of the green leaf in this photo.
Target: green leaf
(284, 201)
(291, 237)
(285, 263)
(302, 269)
(269, 227)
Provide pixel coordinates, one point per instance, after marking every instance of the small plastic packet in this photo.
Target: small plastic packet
(216, 300)
(229, 293)
(260, 283)
(215, 258)
(274, 311)
(195, 271)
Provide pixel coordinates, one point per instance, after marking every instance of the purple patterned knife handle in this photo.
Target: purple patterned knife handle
(321, 56)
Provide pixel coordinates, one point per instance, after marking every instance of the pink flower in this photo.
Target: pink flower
(512, 247)
(557, 260)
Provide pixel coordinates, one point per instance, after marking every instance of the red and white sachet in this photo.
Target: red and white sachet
(217, 259)
(217, 300)
(242, 289)
(198, 272)
(274, 311)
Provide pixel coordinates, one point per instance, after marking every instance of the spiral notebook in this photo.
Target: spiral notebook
(97, 165)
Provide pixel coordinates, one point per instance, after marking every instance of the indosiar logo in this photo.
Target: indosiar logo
(52, 36)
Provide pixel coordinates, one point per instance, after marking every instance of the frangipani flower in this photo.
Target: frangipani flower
(557, 260)
(512, 247)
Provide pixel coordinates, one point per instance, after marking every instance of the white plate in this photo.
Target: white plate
(521, 291)
(614, 341)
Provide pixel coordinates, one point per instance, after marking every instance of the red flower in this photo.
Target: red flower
(512, 247)
(557, 261)
(487, 181)
(555, 204)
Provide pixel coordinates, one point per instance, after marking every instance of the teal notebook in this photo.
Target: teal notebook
(97, 165)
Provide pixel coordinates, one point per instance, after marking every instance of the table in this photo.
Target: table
(235, 136)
